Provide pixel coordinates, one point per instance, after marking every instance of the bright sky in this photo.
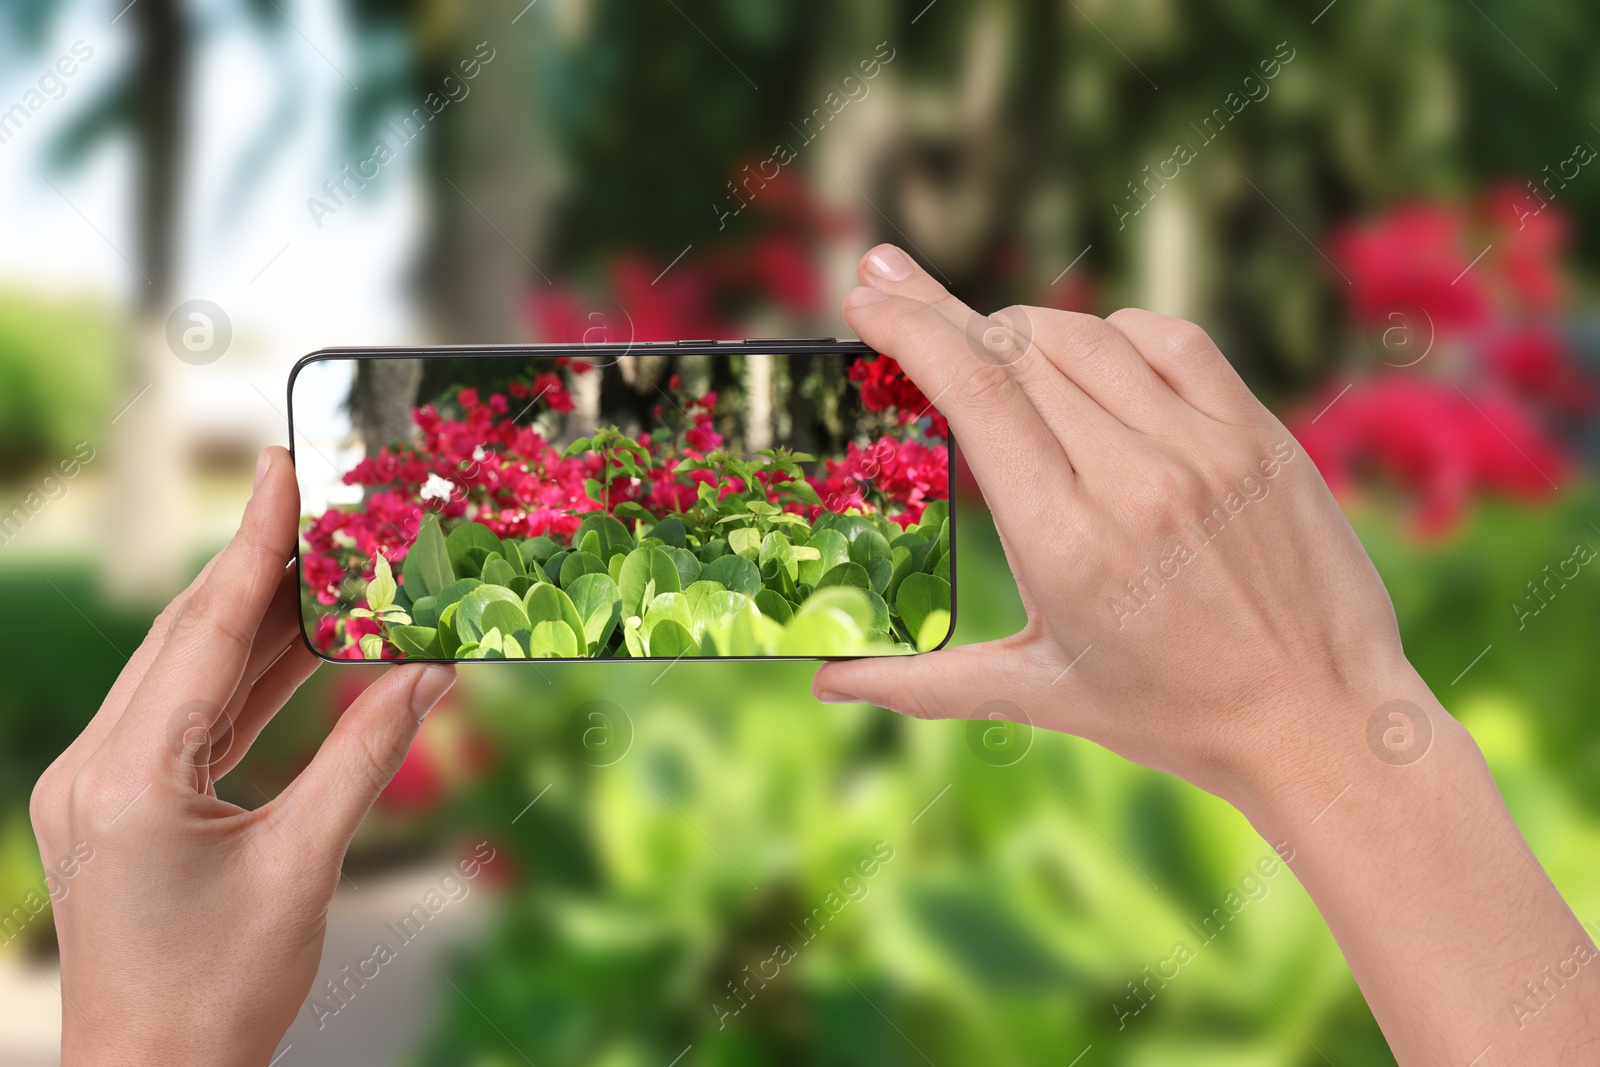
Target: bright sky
(288, 287)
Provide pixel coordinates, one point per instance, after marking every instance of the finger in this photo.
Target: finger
(953, 683)
(1030, 603)
(261, 701)
(203, 735)
(332, 795)
(1025, 475)
(889, 269)
(1095, 356)
(1187, 360)
(1104, 363)
(278, 637)
(209, 642)
(987, 343)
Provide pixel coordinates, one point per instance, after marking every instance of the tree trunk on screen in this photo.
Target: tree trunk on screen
(585, 417)
(758, 401)
(382, 397)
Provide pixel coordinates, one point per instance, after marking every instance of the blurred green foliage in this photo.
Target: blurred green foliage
(1484, 589)
(58, 369)
(1032, 877)
(710, 809)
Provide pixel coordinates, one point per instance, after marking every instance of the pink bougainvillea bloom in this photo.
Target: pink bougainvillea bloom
(885, 387)
(907, 473)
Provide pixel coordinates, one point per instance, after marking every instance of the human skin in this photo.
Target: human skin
(193, 934)
(1259, 665)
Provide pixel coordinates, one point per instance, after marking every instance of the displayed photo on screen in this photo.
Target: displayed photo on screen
(654, 506)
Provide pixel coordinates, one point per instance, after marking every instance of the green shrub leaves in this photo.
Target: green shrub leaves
(729, 577)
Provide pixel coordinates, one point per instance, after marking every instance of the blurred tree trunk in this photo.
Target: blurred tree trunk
(487, 187)
(486, 203)
(1168, 268)
(148, 457)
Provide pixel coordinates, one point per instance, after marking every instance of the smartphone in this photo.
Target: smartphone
(742, 499)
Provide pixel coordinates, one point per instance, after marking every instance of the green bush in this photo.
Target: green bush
(59, 370)
(737, 577)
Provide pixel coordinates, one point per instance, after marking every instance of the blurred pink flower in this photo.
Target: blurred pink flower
(1439, 442)
(1527, 237)
(1413, 254)
(1533, 363)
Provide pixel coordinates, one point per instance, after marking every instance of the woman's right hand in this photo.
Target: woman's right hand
(1196, 600)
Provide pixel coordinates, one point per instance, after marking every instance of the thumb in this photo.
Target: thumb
(953, 683)
(334, 793)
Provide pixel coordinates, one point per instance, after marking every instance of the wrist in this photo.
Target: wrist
(1360, 743)
(1389, 817)
(103, 1044)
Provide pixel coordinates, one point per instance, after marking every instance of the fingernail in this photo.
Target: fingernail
(828, 696)
(862, 295)
(434, 684)
(263, 461)
(889, 262)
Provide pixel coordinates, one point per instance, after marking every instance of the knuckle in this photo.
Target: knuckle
(95, 798)
(1195, 488)
(1084, 338)
(1221, 468)
(1185, 342)
(984, 386)
(913, 703)
(1148, 495)
(162, 625)
(261, 561)
(44, 803)
(1016, 317)
(377, 760)
(205, 616)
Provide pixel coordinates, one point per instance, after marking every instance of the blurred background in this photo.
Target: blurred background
(1384, 212)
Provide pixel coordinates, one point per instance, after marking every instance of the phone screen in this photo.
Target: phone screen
(569, 503)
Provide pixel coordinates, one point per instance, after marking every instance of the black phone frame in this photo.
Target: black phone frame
(602, 352)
